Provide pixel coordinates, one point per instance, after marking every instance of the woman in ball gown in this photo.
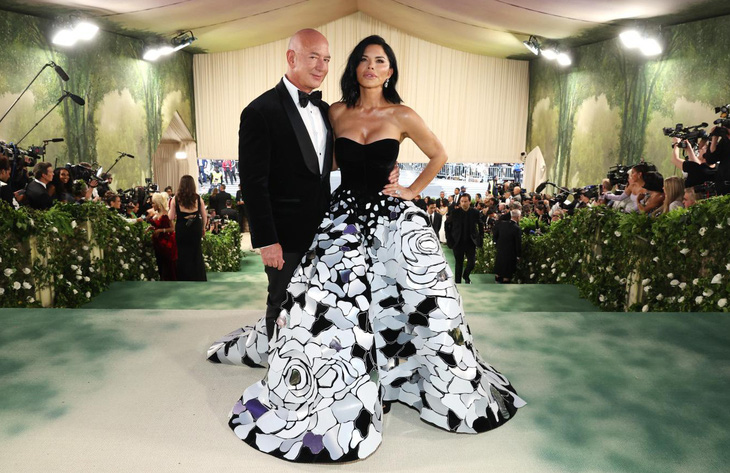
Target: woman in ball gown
(163, 237)
(187, 210)
(372, 314)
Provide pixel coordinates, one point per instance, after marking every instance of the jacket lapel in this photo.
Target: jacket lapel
(300, 131)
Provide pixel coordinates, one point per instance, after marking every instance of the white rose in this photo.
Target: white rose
(532, 276)
(55, 230)
(562, 275)
(645, 308)
(670, 275)
(647, 288)
(681, 299)
(605, 242)
(656, 259)
(684, 251)
(722, 302)
(75, 291)
(623, 281)
(646, 281)
(91, 270)
(659, 297)
(2, 291)
(543, 266)
(86, 278)
(78, 278)
(552, 270)
(717, 279)
(9, 272)
(26, 285)
(16, 285)
(85, 248)
(74, 224)
(652, 242)
(591, 279)
(60, 276)
(708, 293)
(674, 282)
(609, 269)
(125, 266)
(616, 278)
(695, 281)
(719, 225)
(602, 298)
(698, 299)
(705, 253)
(727, 266)
(703, 230)
(79, 258)
(74, 267)
(31, 300)
(617, 233)
(682, 285)
(88, 295)
(26, 270)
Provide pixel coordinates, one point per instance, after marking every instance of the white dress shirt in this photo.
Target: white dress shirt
(313, 121)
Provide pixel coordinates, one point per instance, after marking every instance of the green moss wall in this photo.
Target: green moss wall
(610, 106)
(129, 102)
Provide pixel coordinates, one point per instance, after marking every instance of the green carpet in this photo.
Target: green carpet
(246, 289)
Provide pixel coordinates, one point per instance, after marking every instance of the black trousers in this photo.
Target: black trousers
(278, 281)
(461, 250)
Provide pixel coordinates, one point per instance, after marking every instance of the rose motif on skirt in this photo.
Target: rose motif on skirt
(420, 249)
(290, 377)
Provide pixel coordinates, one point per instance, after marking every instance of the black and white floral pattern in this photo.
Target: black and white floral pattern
(372, 314)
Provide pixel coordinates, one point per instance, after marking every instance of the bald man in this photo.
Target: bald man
(285, 159)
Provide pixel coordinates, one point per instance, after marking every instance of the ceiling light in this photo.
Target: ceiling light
(549, 54)
(151, 55)
(650, 47)
(85, 30)
(631, 39)
(532, 45)
(177, 43)
(564, 59)
(181, 155)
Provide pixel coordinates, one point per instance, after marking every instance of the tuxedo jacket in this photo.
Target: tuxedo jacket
(437, 218)
(37, 196)
(455, 228)
(286, 195)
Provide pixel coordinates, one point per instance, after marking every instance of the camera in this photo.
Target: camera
(82, 171)
(618, 175)
(690, 133)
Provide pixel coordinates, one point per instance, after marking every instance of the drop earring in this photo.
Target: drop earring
(386, 82)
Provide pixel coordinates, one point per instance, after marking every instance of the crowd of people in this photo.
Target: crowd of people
(177, 222)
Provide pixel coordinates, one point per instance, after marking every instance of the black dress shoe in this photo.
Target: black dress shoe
(467, 280)
(386, 406)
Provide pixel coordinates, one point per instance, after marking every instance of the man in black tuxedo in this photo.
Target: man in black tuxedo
(240, 208)
(223, 197)
(228, 212)
(442, 201)
(36, 192)
(508, 240)
(285, 159)
(434, 217)
(464, 233)
(6, 192)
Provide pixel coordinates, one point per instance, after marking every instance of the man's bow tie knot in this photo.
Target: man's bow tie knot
(314, 97)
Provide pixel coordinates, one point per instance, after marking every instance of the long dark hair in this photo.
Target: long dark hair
(349, 84)
(186, 195)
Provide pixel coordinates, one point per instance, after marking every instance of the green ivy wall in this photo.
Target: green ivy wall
(610, 106)
(129, 102)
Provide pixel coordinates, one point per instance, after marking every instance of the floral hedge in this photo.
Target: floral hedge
(677, 262)
(78, 266)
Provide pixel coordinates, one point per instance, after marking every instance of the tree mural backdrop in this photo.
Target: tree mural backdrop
(610, 107)
(129, 102)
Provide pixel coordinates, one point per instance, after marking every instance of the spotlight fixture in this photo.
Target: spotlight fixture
(549, 54)
(74, 31)
(631, 38)
(634, 39)
(180, 41)
(564, 59)
(532, 45)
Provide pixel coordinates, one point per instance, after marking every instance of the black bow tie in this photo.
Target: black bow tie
(314, 97)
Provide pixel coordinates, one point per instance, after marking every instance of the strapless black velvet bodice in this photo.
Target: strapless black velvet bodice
(365, 167)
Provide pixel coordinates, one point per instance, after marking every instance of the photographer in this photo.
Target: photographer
(634, 190)
(36, 192)
(6, 192)
(695, 167)
(719, 153)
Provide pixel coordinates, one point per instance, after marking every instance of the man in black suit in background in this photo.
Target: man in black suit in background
(285, 159)
(36, 192)
(223, 197)
(508, 240)
(434, 217)
(464, 233)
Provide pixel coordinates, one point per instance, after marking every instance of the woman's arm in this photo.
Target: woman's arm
(172, 215)
(203, 213)
(413, 127)
(676, 160)
(617, 198)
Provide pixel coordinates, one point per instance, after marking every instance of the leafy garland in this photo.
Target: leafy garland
(678, 262)
(82, 249)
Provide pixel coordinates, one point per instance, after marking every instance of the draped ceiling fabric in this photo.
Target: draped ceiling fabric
(166, 168)
(476, 105)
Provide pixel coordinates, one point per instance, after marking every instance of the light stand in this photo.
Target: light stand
(74, 97)
(58, 70)
(119, 158)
